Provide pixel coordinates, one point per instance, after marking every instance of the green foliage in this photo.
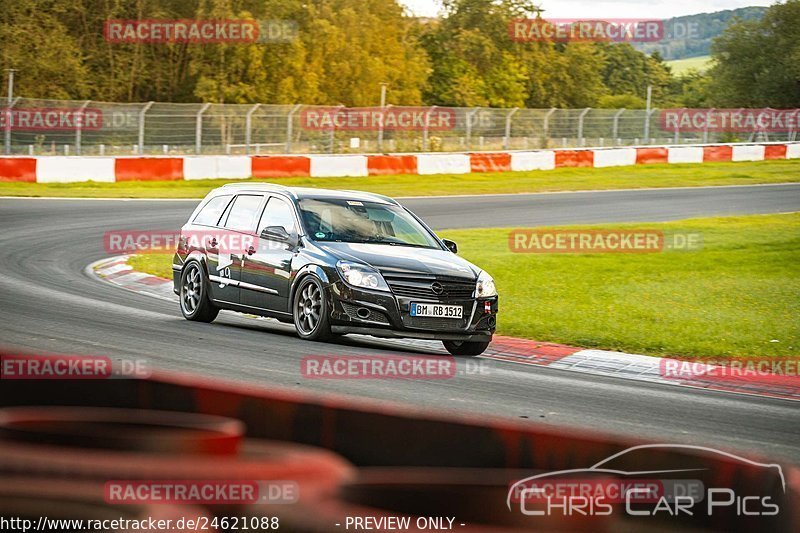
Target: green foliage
(345, 49)
(758, 62)
(622, 101)
(691, 35)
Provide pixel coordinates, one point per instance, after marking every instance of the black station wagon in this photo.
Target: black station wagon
(331, 262)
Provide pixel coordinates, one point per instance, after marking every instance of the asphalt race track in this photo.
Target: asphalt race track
(48, 304)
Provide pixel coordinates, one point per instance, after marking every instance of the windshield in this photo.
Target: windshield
(363, 222)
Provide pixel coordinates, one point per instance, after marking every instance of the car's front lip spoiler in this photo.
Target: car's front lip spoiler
(410, 334)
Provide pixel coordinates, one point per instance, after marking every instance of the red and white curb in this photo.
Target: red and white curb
(117, 271)
(636, 367)
(66, 169)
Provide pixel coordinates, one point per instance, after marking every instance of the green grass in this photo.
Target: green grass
(561, 179)
(683, 66)
(155, 264)
(732, 298)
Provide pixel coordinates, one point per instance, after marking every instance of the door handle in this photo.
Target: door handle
(251, 251)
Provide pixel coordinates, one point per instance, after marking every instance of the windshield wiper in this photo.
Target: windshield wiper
(390, 243)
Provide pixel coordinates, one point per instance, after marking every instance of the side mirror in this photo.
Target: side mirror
(452, 246)
(279, 233)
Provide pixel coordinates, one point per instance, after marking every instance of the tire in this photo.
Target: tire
(310, 310)
(195, 304)
(466, 348)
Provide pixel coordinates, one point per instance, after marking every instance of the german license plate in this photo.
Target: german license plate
(437, 310)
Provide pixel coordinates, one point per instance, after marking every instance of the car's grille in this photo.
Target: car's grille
(434, 323)
(374, 316)
(420, 286)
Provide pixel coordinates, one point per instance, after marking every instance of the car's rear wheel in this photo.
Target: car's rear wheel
(195, 304)
(310, 310)
(468, 348)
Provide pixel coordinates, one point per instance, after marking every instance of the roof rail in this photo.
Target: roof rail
(255, 184)
(375, 195)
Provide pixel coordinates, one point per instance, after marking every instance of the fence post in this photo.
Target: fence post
(508, 128)
(546, 124)
(677, 138)
(425, 128)
(290, 128)
(381, 126)
(581, 141)
(79, 126)
(615, 127)
(333, 129)
(469, 127)
(147, 106)
(198, 129)
(8, 124)
(647, 115)
(248, 124)
(708, 119)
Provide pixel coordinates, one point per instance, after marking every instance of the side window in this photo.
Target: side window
(209, 214)
(277, 213)
(243, 213)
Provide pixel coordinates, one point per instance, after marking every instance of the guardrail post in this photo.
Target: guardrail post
(508, 128)
(248, 124)
(469, 127)
(290, 128)
(147, 106)
(79, 126)
(581, 141)
(615, 127)
(8, 125)
(198, 129)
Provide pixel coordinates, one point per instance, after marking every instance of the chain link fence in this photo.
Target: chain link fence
(66, 127)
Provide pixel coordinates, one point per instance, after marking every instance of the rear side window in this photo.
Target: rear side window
(244, 213)
(210, 213)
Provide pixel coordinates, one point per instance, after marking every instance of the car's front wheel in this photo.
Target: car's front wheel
(195, 304)
(468, 348)
(310, 310)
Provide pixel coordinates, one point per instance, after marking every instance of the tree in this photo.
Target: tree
(757, 63)
(35, 41)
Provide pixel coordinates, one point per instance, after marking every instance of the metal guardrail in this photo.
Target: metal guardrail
(156, 128)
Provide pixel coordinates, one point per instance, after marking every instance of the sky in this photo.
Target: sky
(611, 9)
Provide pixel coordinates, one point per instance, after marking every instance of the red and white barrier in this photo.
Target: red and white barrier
(63, 169)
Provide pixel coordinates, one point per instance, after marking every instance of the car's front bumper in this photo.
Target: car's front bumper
(389, 315)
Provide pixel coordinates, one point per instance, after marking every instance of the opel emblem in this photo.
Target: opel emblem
(437, 288)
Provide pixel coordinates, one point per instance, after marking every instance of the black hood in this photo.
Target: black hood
(403, 259)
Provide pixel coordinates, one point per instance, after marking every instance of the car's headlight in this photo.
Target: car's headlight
(361, 276)
(485, 286)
